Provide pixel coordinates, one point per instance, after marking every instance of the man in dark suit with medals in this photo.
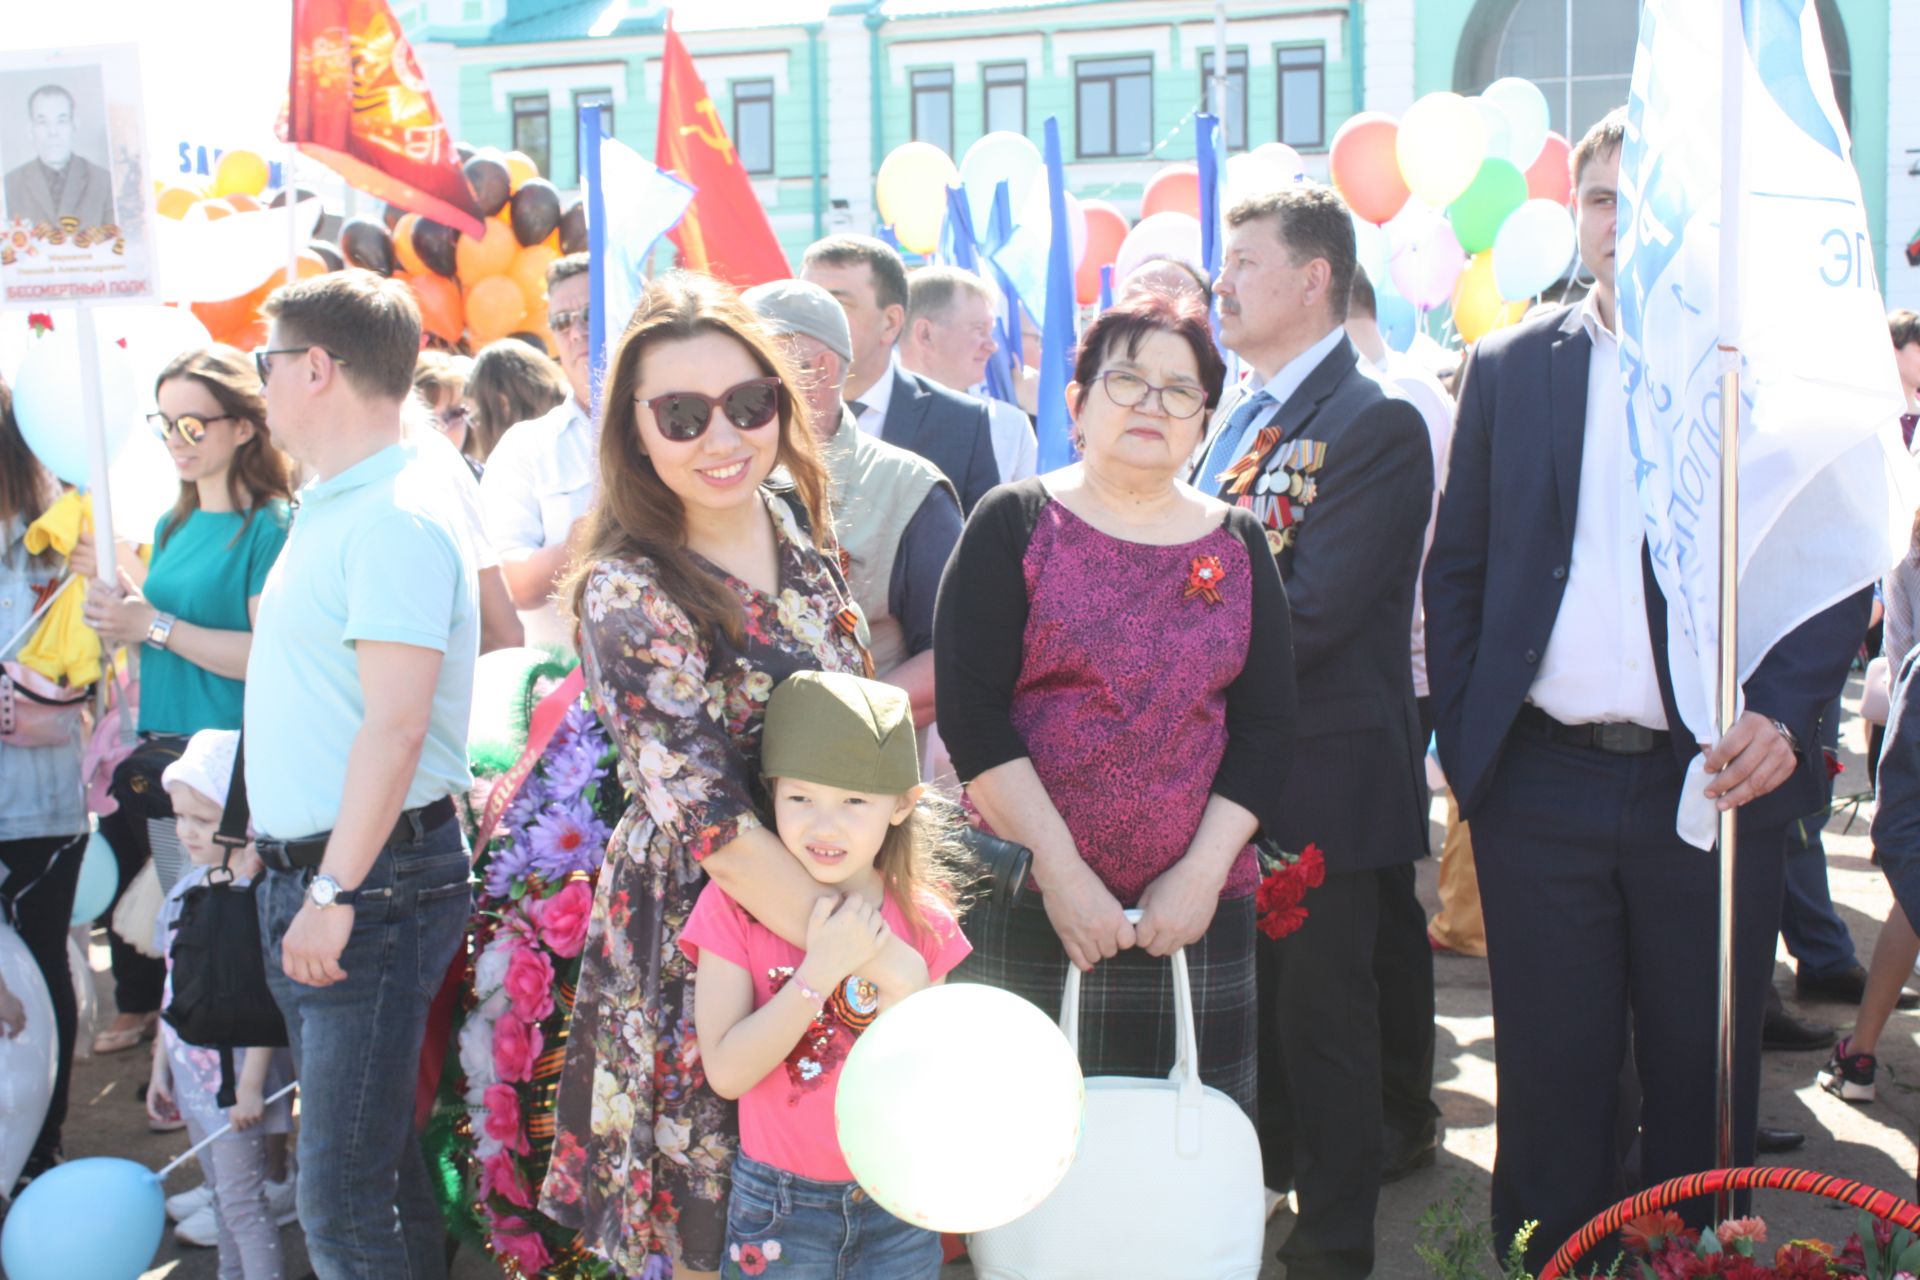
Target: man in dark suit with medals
(1340, 473)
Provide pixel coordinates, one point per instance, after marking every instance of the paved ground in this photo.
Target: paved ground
(1874, 1144)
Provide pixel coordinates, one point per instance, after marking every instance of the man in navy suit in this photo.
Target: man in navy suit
(948, 429)
(1340, 472)
(1553, 703)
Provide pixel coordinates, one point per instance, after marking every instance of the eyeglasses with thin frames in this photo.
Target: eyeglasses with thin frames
(1130, 391)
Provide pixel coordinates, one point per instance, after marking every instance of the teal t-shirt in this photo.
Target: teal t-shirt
(204, 574)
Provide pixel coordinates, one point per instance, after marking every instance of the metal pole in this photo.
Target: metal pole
(1220, 69)
(1726, 710)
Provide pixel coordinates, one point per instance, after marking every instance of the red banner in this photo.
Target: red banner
(725, 232)
(358, 102)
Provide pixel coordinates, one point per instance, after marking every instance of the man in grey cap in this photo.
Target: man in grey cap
(896, 515)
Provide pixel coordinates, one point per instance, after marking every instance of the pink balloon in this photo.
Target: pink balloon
(1175, 189)
(1427, 257)
(1173, 235)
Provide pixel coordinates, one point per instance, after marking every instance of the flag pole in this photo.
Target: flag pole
(1727, 684)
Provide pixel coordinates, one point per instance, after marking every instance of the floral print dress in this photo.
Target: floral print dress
(643, 1146)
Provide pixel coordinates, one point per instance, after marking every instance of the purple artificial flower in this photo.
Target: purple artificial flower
(658, 1268)
(510, 857)
(567, 838)
(571, 768)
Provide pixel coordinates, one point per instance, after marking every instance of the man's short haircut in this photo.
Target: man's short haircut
(563, 269)
(46, 89)
(369, 323)
(1904, 325)
(1361, 301)
(1174, 260)
(1312, 221)
(889, 269)
(1608, 135)
(931, 292)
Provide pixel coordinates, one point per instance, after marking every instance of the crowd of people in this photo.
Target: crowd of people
(814, 584)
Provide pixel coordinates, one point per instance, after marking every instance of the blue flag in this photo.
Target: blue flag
(959, 247)
(1206, 150)
(1106, 286)
(591, 132)
(1056, 328)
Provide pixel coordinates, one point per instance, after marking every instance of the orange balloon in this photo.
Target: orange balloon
(495, 309)
(211, 210)
(478, 259)
(225, 315)
(1548, 177)
(241, 201)
(520, 168)
(529, 271)
(1175, 189)
(442, 312)
(1365, 165)
(1106, 228)
(403, 245)
(246, 336)
(173, 202)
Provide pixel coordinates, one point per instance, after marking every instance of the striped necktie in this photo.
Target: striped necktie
(1226, 444)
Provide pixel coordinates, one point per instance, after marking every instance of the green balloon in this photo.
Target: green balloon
(1496, 191)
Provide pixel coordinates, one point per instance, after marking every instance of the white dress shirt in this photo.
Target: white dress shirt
(1411, 380)
(539, 480)
(1016, 450)
(873, 405)
(1598, 665)
(1282, 385)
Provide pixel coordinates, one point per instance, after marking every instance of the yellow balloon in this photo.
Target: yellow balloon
(240, 171)
(520, 168)
(173, 202)
(911, 191)
(1441, 143)
(1478, 308)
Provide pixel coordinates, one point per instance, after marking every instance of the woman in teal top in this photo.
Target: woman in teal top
(189, 615)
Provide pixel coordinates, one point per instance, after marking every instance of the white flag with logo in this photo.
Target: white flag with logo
(1827, 493)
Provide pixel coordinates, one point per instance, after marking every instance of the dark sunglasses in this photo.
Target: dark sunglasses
(452, 417)
(562, 321)
(264, 368)
(684, 415)
(192, 427)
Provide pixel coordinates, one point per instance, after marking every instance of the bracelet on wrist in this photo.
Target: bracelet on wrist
(814, 998)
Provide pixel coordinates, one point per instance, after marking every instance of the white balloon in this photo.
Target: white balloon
(999, 156)
(1528, 119)
(46, 398)
(1532, 248)
(151, 337)
(1269, 167)
(28, 1061)
(86, 996)
(1371, 248)
(1493, 118)
(142, 484)
(1173, 235)
(205, 261)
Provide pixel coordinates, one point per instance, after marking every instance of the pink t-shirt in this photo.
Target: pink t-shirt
(787, 1119)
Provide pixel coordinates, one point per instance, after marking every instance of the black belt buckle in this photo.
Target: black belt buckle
(1623, 739)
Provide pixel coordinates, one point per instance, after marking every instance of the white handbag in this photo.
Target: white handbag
(1167, 1183)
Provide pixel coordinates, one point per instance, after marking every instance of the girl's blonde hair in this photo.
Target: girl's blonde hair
(925, 860)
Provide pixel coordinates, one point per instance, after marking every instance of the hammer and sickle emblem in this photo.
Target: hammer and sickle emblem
(712, 132)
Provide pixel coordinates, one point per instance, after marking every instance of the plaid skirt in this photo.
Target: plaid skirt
(1126, 1003)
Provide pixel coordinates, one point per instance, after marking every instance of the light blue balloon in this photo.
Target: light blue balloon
(1396, 318)
(47, 1236)
(99, 878)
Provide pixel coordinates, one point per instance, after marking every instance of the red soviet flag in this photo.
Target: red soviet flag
(358, 102)
(725, 232)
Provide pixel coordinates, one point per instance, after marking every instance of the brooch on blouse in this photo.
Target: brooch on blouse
(1204, 579)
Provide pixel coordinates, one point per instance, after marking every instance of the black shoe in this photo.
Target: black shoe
(1844, 985)
(1781, 1030)
(1772, 1142)
(1406, 1155)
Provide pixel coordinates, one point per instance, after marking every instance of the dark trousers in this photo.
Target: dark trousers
(37, 898)
(1816, 936)
(1600, 919)
(1320, 1080)
(1403, 969)
(137, 979)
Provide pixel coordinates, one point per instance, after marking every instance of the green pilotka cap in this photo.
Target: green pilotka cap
(839, 730)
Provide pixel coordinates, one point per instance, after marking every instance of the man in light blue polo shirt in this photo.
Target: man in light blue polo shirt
(356, 718)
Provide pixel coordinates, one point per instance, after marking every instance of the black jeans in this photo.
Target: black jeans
(137, 978)
(37, 898)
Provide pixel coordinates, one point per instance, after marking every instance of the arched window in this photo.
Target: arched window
(1580, 53)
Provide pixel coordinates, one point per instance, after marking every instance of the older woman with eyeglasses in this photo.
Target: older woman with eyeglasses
(1114, 673)
(188, 616)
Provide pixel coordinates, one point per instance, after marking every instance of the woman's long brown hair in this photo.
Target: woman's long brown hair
(26, 487)
(258, 473)
(636, 514)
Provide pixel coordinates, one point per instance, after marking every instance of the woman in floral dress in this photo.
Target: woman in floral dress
(700, 590)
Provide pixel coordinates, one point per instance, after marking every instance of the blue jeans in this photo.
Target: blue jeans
(365, 1202)
(783, 1225)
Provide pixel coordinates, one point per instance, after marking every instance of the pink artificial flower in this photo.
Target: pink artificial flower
(516, 1047)
(1734, 1229)
(502, 1102)
(500, 1175)
(563, 919)
(524, 1247)
(529, 984)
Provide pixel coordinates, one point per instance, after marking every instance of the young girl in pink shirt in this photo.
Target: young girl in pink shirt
(774, 1022)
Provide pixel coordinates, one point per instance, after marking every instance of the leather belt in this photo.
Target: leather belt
(305, 854)
(1613, 739)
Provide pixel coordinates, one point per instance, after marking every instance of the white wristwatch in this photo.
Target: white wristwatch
(160, 629)
(324, 891)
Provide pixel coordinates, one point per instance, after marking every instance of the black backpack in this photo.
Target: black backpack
(220, 995)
